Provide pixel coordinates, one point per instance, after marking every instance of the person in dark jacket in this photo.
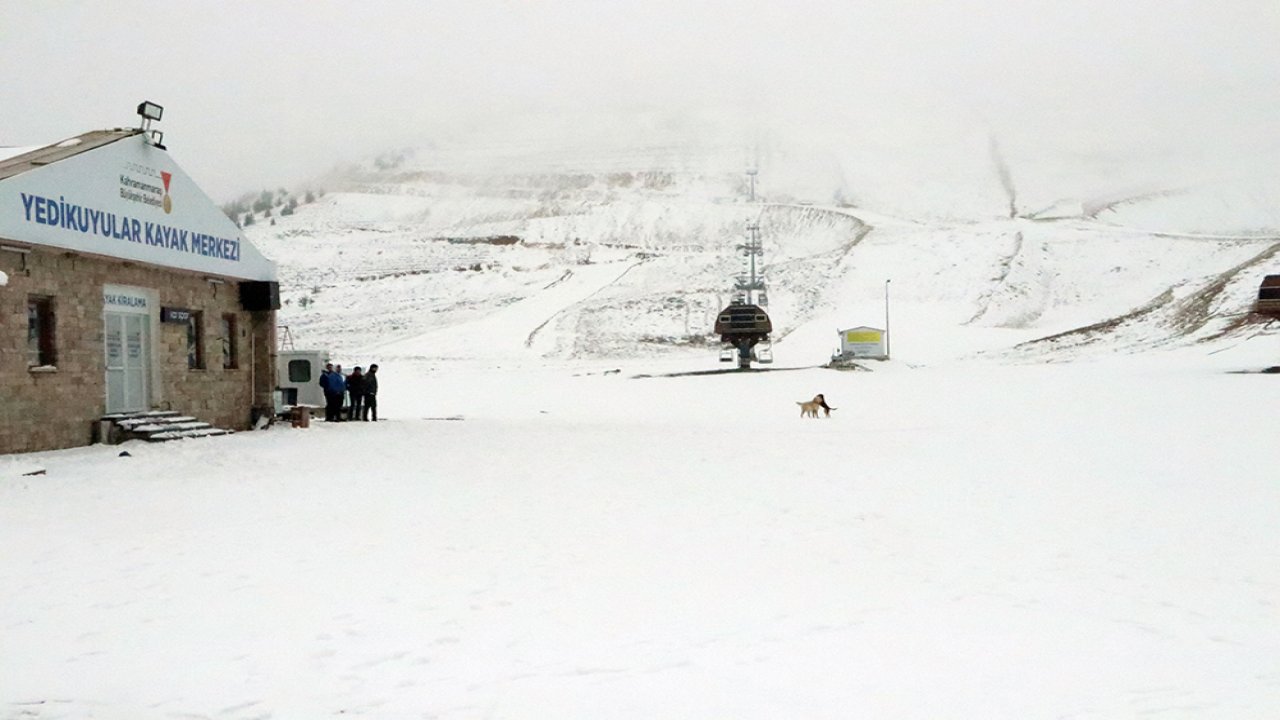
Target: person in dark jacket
(355, 387)
(371, 393)
(332, 395)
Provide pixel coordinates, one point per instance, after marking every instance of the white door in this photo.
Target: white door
(128, 348)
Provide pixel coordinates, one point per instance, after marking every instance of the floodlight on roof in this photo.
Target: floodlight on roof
(149, 110)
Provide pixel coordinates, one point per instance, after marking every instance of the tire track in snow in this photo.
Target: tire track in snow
(503, 332)
(1093, 208)
(1005, 175)
(567, 274)
(986, 299)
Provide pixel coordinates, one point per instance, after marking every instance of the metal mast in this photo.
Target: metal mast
(752, 248)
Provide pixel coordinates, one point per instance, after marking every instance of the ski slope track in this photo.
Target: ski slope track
(515, 328)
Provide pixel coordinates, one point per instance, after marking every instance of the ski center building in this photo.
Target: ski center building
(128, 292)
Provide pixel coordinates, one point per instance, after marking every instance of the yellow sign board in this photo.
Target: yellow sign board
(862, 336)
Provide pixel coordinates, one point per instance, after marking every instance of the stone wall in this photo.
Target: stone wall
(50, 409)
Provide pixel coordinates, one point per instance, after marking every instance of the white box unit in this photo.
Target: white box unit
(298, 376)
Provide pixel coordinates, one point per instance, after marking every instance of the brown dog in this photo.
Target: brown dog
(810, 408)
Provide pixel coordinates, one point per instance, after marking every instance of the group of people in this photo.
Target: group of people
(360, 386)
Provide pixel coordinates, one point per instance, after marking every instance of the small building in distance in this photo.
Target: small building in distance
(862, 343)
(129, 291)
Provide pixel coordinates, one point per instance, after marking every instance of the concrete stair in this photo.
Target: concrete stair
(156, 426)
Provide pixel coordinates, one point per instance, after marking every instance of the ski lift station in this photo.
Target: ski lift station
(1268, 302)
(863, 343)
(131, 300)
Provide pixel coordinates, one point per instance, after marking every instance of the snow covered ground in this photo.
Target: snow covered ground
(572, 541)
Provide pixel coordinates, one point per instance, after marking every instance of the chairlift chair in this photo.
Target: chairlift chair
(764, 353)
(742, 326)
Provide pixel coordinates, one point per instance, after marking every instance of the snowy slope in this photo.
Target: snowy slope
(394, 256)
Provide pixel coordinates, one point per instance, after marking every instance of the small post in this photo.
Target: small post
(886, 319)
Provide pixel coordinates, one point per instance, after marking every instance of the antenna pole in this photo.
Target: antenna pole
(886, 319)
(751, 248)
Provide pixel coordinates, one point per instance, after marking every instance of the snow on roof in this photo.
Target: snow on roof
(8, 152)
(25, 159)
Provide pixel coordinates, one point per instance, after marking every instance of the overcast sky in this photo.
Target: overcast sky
(269, 93)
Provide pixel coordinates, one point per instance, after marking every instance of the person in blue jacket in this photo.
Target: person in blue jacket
(339, 383)
(334, 387)
(324, 387)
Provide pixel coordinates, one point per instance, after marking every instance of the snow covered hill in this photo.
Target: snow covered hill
(432, 256)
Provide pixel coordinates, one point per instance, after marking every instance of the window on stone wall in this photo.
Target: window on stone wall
(40, 327)
(195, 341)
(229, 342)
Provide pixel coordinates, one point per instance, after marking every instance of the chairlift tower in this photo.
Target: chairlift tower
(752, 284)
(744, 326)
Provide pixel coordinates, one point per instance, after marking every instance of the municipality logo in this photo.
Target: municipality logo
(168, 202)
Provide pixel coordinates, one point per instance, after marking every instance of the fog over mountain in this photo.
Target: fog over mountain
(875, 101)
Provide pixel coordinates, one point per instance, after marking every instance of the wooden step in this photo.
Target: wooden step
(206, 431)
(135, 424)
(116, 417)
(159, 426)
(187, 424)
